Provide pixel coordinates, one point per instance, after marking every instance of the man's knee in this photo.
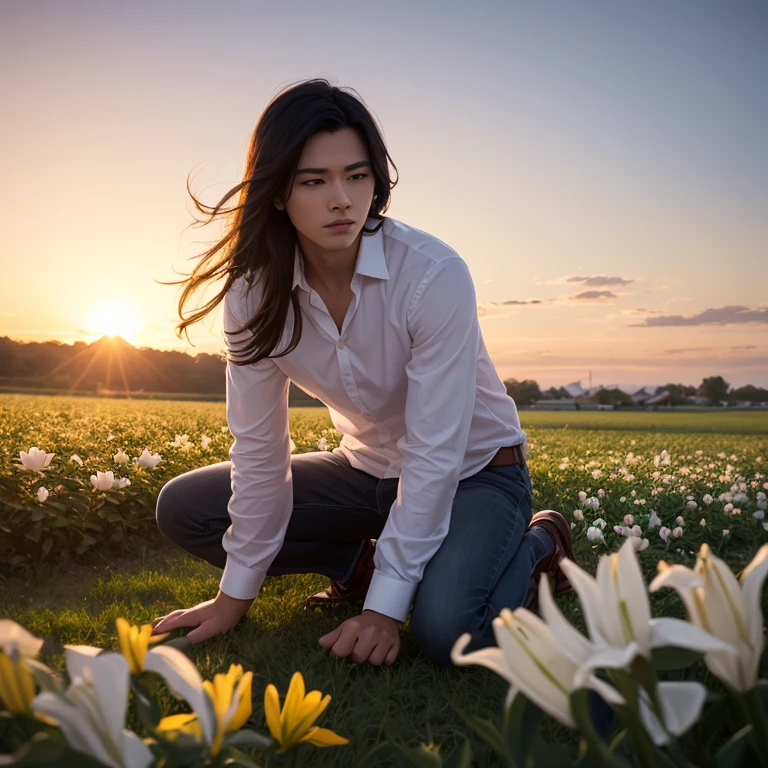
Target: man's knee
(168, 509)
(437, 625)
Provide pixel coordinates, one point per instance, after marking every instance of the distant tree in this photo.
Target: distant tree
(524, 392)
(750, 393)
(715, 389)
(678, 393)
(555, 393)
(613, 397)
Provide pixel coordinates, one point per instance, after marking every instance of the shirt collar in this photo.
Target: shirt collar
(370, 257)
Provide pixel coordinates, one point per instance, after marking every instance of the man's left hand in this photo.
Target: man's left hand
(371, 636)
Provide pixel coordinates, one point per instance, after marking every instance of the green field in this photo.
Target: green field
(633, 462)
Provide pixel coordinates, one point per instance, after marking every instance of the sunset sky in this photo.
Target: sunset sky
(602, 167)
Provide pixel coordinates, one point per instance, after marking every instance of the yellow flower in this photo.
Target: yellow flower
(230, 695)
(294, 724)
(134, 643)
(17, 687)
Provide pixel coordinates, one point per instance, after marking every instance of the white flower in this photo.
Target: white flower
(636, 531)
(600, 493)
(293, 446)
(664, 533)
(103, 480)
(543, 660)
(680, 520)
(593, 502)
(677, 532)
(599, 521)
(726, 531)
(121, 457)
(654, 520)
(110, 436)
(91, 713)
(582, 496)
(36, 460)
(225, 428)
(42, 493)
(638, 543)
(74, 457)
(148, 460)
(707, 499)
(322, 444)
(740, 498)
(595, 534)
(617, 611)
(758, 514)
(204, 442)
(702, 522)
(728, 508)
(692, 505)
(726, 607)
(629, 519)
(181, 441)
(578, 514)
(121, 482)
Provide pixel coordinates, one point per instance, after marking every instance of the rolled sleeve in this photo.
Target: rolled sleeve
(262, 488)
(442, 378)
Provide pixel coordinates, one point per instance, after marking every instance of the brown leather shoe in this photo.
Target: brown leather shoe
(555, 524)
(353, 590)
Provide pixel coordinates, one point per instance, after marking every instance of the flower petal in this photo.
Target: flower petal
(13, 634)
(322, 737)
(681, 704)
(683, 634)
(272, 712)
(752, 579)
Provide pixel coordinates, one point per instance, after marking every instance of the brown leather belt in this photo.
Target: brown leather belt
(507, 456)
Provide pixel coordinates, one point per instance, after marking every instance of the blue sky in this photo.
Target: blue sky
(602, 165)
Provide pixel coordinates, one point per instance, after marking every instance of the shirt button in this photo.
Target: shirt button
(340, 345)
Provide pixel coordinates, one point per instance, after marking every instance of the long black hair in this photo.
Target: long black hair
(260, 238)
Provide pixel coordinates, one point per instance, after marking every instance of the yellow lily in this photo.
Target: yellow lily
(134, 643)
(230, 695)
(18, 670)
(294, 724)
(17, 687)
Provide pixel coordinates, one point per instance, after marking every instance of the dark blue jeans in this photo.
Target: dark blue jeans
(483, 565)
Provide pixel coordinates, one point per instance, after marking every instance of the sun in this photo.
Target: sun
(115, 317)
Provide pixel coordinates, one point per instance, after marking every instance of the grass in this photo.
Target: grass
(78, 602)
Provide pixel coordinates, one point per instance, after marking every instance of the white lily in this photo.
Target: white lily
(121, 482)
(36, 460)
(617, 611)
(543, 660)
(147, 459)
(103, 480)
(204, 442)
(720, 605)
(121, 457)
(74, 457)
(91, 712)
(42, 494)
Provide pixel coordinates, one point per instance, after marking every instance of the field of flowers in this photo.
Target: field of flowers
(79, 478)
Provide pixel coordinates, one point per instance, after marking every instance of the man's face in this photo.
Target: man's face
(318, 198)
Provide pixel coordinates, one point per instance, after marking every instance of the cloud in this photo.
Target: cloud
(594, 295)
(745, 346)
(683, 350)
(600, 281)
(515, 302)
(730, 315)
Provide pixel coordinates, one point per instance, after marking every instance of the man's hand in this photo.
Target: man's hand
(211, 618)
(371, 636)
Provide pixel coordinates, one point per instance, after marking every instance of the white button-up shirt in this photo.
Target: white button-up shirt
(408, 383)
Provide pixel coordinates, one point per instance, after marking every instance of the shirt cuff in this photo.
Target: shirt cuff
(390, 596)
(239, 581)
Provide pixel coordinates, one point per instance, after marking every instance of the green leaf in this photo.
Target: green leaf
(736, 751)
(57, 505)
(61, 521)
(38, 514)
(521, 725)
(670, 657)
(247, 738)
(35, 532)
(550, 755)
(421, 757)
(42, 750)
(489, 733)
(47, 544)
(461, 758)
(146, 705)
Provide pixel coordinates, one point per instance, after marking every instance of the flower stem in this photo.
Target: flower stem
(754, 714)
